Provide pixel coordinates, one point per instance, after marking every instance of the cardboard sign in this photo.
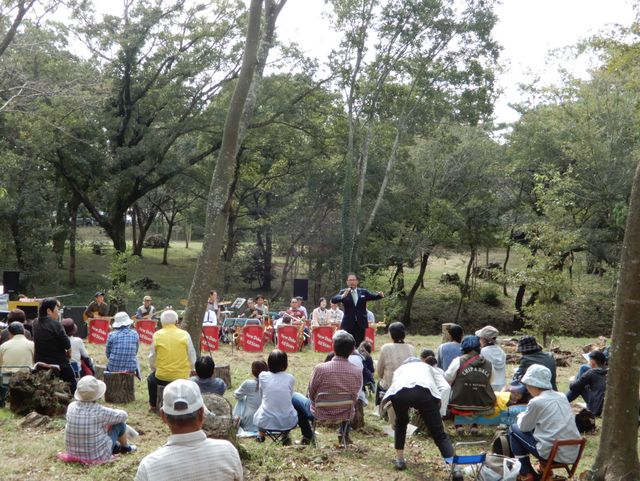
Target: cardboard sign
(323, 338)
(209, 339)
(370, 335)
(252, 339)
(288, 338)
(145, 329)
(98, 330)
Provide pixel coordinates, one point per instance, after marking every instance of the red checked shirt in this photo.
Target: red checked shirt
(332, 378)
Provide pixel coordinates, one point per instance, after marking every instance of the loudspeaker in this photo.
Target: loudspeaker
(75, 313)
(301, 288)
(11, 283)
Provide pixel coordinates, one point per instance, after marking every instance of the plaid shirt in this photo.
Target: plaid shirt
(331, 379)
(86, 433)
(122, 349)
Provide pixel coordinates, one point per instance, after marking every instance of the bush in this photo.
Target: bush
(489, 295)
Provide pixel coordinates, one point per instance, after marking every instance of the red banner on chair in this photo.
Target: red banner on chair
(370, 335)
(209, 338)
(252, 338)
(98, 330)
(145, 329)
(323, 338)
(288, 338)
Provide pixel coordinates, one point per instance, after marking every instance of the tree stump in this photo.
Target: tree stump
(445, 331)
(223, 371)
(99, 371)
(358, 418)
(120, 387)
(219, 424)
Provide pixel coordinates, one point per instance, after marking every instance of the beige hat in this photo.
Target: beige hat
(147, 298)
(89, 389)
(487, 332)
(121, 319)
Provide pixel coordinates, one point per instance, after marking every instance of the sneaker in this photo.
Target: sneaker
(475, 432)
(400, 464)
(153, 409)
(286, 441)
(459, 431)
(259, 439)
(126, 449)
(305, 441)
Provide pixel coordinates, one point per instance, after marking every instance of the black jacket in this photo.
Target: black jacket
(355, 315)
(594, 384)
(529, 359)
(50, 342)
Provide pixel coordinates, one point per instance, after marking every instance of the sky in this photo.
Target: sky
(527, 30)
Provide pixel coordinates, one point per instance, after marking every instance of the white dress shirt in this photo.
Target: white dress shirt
(421, 374)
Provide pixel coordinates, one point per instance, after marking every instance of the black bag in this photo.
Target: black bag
(500, 442)
(585, 421)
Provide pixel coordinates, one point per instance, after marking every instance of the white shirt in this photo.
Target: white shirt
(210, 318)
(498, 359)
(17, 351)
(192, 457)
(77, 349)
(335, 316)
(319, 317)
(418, 373)
(276, 410)
(550, 418)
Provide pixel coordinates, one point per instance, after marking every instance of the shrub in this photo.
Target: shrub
(489, 295)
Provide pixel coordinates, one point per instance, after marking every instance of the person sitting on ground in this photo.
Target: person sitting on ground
(448, 351)
(17, 351)
(338, 375)
(392, 355)
(494, 353)
(365, 349)
(78, 351)
(188, 454)
(172, 356)
(470, 379)
(16, 315)
(420, 386)
(205, 367)
(532, 354)
(93, 432)
(248, 397)
(548, 418)
(592, 384)
(122, 346)
(276, 410)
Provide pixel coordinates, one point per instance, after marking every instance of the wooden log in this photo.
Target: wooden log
(223, 371)
(120, 387)
(445, 331)
(99, 371)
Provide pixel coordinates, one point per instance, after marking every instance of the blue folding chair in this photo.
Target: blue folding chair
(473, 461)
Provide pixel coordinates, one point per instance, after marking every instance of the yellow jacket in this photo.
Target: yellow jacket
(172, 353)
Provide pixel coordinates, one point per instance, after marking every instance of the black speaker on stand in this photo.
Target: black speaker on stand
(11, 283)
(301, 288)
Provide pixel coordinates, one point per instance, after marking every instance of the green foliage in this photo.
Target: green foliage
(547, 319)
(489, 295)
(122, 288)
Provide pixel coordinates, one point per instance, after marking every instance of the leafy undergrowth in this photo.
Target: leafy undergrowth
(31, 454)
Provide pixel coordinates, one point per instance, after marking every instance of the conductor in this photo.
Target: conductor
(354, 301)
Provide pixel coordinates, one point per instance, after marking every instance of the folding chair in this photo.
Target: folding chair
(334, 408)
(474, 461)
(548, 466)
(279, 436)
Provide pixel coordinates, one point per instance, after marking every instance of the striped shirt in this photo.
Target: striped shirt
(122, 349)
(85, 435)
(192, 457)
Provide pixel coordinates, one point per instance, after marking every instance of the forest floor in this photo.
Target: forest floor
(31, 454)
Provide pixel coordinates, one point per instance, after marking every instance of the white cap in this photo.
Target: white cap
(169, 317)
(181, 397)
(121, 319)
(538, 376)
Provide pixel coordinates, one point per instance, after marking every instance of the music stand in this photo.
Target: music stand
(238, 303)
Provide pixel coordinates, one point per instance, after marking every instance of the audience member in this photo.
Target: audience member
(592, 384)
(392, 355)
(78, 351)
(494, 354)
(448, 351)
(188, 454)
(276, 411)
(422, 387)
(51, 344)
(428, 356)
(16, 315)
(532, 354)
(205, 367)
(248, 397)
(93, 432)
(172, 356)
(365, 350)
(122, 346)
(17, 351)
(548, 418)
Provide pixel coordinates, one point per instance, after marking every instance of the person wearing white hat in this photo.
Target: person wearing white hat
(172, 356)
(188, 454)
(494, 354)
(122, 345)
(548, 418)
(93, 432)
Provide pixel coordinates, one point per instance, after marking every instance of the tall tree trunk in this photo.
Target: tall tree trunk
(73, 231)
(406, 315)
(464, 290)
(518, 316)
(165, 254)
(217, 208)
(188, 229)
(268, 258)
(134, 229)
(504, 267)
(617, 457)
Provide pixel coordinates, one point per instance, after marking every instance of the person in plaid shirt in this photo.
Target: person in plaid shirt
(336, 376)
(122, 345)
(93, 432)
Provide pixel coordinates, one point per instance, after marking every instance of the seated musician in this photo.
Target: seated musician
(294, 315)
(250, 312)
(320, 315)
(335, 315)
(97, 307)
(261, 307)
(146, 310)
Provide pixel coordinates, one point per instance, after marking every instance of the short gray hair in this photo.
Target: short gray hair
(16, 328)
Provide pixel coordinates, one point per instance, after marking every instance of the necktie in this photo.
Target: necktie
(354, 296)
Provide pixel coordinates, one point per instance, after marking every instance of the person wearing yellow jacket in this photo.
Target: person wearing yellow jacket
(172, 356)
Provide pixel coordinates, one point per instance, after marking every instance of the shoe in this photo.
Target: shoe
(529, 477)
(259, 439)
(460, 431)
(305, 441)
(126, 449)
(153, 409)
(400, 464)
(474, 432)
(286, 441)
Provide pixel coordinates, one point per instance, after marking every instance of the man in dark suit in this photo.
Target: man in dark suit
(354, 301)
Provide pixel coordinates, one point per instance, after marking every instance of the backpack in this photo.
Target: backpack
(500, 442)
(585, 421)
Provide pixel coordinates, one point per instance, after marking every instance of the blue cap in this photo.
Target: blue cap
(470, 343)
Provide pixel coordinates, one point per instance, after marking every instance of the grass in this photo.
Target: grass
(31, 454)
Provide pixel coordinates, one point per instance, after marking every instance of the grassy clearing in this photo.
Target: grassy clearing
(30, 455)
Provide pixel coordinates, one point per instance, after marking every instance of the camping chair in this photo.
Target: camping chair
(474, 461)
(279, 436)
(334, 408)
(548, 466)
